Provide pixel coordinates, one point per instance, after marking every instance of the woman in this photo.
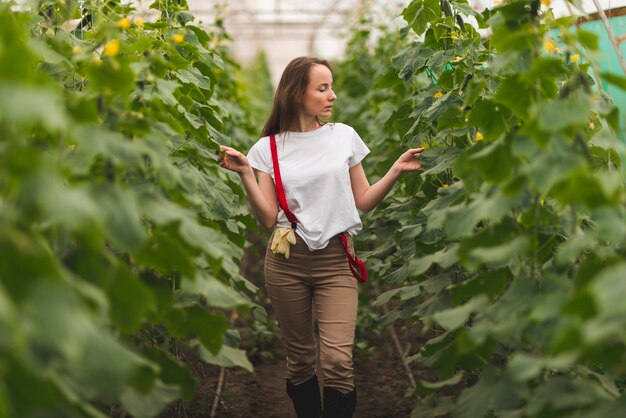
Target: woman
(325, 187)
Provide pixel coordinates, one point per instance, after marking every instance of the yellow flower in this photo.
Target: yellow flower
(457, 58)
(574, 58)
(425, 145)
(123, 23)
(112, 48)
(550, 47)
(437, 95)
(139, 22)
(178, 38)
(76, 50)
(445, 185)
(454, 37)
(541, 202)
(592, 125)
(546, 3)
(478, 137)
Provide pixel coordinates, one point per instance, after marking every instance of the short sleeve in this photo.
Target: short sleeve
(359, 150)
(259, 156)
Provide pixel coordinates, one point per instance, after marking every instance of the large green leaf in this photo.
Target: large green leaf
(23, 104)
(609, 290)
(146, 405)
(227, 357)
(216, 293)
(491, 118)
(209, 328)
(555, 115)
(452, 319)
(491, 393)
(419, 13)
(130, 300)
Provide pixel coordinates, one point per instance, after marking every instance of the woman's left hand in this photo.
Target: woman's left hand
(409, 161)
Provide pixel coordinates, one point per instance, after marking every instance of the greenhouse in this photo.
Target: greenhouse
(350, 208)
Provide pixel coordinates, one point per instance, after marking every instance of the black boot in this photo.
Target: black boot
(339, 405)
(306, 398)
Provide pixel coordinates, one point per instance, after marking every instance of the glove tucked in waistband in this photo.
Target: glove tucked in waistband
(282, 240)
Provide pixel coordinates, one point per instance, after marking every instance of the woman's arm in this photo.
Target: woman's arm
(258, 185)
(368, 197)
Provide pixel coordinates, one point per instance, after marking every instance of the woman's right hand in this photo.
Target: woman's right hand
(233, 160)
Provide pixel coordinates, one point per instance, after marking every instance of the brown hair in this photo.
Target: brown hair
(287, 99)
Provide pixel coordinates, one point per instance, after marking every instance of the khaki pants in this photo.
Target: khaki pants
(319, 280)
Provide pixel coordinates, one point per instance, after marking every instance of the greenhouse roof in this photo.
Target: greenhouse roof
(285, 29)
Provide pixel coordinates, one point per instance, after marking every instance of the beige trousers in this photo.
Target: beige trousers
(315, 284)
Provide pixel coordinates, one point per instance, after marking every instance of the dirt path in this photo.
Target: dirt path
(380, 379)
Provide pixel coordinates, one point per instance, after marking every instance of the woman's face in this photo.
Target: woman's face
(319, 96)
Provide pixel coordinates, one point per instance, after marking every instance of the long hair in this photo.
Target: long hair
(287, 103)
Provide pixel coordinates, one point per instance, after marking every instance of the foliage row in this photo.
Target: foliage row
(509, 246)
(119, 238)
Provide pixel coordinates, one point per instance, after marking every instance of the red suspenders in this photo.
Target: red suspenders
(357, 267)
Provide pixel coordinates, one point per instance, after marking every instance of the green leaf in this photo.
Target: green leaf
(386, 297)
(438, 161)
(609, 290)
(174, 372)
(565, 395)
(130, 300)
(166, 252)
(150, 404)
(491, 118)
(419, 13)
(461, 219)
(548, 168)
(216, 293)
(494, 161)
(614, 79)
(491, 393)
(496, 254)
(523, 367)
(425, 387)
(120, 212)
(570, 250)
(227, 357)
(432, 407)
(512, 33)
(411, 60)
(456, 317)
(491, 283)
(31, 106)
(209, 328)
(588, 39)
(555, 115)
(445, 258)
(195, 78)
(516, 95)
(473, 91)
(107, 76)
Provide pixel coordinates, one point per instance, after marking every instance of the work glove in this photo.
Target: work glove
(283, 238)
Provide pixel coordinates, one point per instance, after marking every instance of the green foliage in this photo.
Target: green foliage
(118, 232)
(509, 245)
(258, 89)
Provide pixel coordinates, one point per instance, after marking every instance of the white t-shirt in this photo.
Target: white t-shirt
(314, 168)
